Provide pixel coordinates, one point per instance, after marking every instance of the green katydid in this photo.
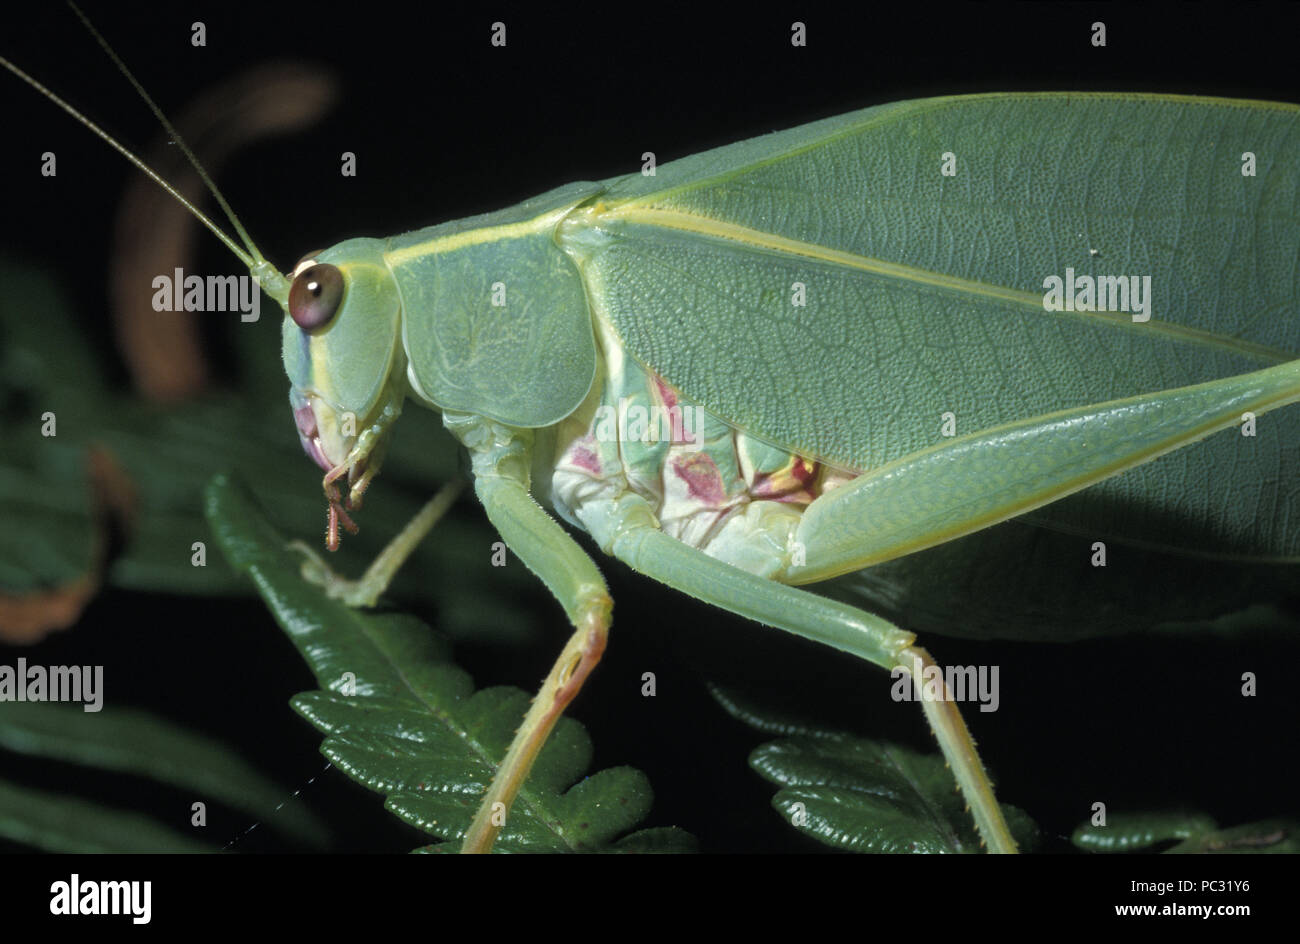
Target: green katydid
(537, 330)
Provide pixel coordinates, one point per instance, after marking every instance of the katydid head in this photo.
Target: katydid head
(343, 354)
(342, 348)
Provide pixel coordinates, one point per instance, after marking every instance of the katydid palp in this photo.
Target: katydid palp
(836, 237)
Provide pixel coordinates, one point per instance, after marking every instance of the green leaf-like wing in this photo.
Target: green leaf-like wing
(405, 721)
(925, 292)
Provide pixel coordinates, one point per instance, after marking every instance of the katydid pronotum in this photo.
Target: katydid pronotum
(520, 326)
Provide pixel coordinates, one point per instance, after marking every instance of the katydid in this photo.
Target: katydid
(734, 373)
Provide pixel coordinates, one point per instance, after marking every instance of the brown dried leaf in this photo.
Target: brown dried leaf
(27, 618)
(155, 235)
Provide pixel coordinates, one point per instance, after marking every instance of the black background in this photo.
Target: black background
(444, 125)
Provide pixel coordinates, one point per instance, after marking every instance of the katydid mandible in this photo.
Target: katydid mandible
(634, 354)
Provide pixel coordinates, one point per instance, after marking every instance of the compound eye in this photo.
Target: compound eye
(315, 295)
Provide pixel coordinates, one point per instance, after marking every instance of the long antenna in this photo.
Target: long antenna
(171, 130)
(144, 168)
(268, 276)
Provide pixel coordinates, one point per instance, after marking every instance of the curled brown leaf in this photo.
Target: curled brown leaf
(155, 235)
(27, 618)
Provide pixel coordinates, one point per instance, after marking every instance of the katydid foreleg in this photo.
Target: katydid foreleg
(367, 589)
(501, 458)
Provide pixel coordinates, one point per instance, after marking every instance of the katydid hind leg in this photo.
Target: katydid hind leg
(981, 479)
(626, 529)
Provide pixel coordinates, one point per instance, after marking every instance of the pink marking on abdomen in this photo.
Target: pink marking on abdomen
(585, 457)
(702, 477)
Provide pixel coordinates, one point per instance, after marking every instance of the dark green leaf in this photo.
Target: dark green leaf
(871, 796)
(1192, 832)
(863, 795)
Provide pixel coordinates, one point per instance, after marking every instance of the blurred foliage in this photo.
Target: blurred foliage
(135, 743)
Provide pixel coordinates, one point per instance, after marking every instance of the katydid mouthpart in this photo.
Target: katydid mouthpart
(633, 354)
